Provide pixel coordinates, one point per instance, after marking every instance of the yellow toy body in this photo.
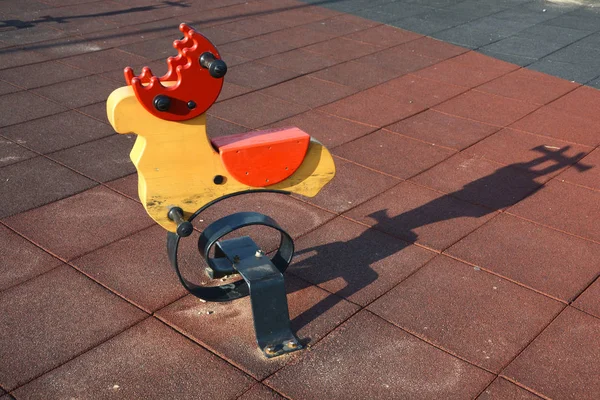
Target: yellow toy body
(176, 162)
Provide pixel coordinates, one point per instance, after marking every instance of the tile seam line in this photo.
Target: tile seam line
(395, 237)
(362, 165)
(97, 182)
(506, 278)
(77, 355)
(584, 311)
(38, 153)
(62, 264)
(502, 371)
(524, 387)
(203, 345)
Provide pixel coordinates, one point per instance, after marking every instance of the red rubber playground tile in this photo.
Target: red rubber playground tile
(529, 86)
(555, 123)
(342, 49)
(355, 262)
(51, 319)
(503, 389)
(419, 90)
(25, 106)
(148, 360)
(563, 206)
(354, 75)
(57, 132)
(533, 153)
(370, 107)
(355, 360)
(308, 91)
(21, 260)
(35, 182)
(242, 110)
(571, 103)
(562, 361)
(463, 74)
(328, 129)
(134, 268)
(353, 185)
(552, 262)
(260, 392)
(11, 152)
(588, 174)
(420, 215)
(480, 181)
(299, 61)
(102, 160)
(589, 301)
(384, 35)
(397, 60)
(81, 223)
(393, 154)
(255, 75)
(486, 108)
(442, 129)
(476, 315)
(42, 74)
(227, 328)
(78, 92)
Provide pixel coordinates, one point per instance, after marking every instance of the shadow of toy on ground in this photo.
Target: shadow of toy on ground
(352, 260)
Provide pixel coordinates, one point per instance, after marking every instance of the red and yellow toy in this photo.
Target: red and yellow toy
(178, 164)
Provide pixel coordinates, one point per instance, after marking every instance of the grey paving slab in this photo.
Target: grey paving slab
(350, 6)
(534, 33)
(577, 55)
(523, 46)
(572, 72)
(555, 34)
(481, 32)
(393, 11)
(595, 83)
(592, 41)
(588, 21)
(435, 3)
(525, 13)
(420, 25)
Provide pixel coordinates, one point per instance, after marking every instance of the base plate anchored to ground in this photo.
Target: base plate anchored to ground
(262, 276)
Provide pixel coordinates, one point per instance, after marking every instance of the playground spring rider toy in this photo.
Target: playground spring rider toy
(182, 172)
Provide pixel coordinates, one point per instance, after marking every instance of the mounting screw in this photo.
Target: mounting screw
(292, 344)
(162, 102)
(259, 253)
(219, 179)
(191, 104)
(270, 349)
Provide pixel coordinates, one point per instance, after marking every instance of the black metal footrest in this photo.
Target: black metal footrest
(267, 295)
(262, 277)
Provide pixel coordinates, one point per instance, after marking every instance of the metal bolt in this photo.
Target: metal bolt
(191, 104)
(259, 253)
(270, 350)
(292, 344)
(162, 102)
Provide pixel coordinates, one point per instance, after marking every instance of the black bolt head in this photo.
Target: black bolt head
(219, 179)
(191, 104)
(217, 69)
(162, 102)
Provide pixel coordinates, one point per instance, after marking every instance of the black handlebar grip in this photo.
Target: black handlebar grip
(184, 228)
(216, 67)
